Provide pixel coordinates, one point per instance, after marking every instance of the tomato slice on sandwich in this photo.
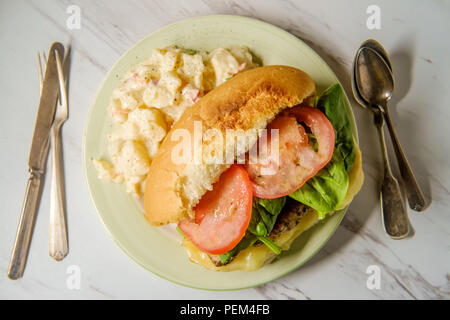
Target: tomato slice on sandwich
(306, 145)
(223, 214)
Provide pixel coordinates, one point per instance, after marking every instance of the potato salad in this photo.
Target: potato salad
(151, 97)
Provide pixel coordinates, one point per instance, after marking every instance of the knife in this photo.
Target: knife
(36, 163)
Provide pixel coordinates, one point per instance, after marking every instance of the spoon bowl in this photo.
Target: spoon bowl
(375, 45)
(374, 79)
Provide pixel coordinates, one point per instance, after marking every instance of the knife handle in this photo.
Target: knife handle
(26, 224)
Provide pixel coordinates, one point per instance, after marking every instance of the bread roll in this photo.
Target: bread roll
(246, 103)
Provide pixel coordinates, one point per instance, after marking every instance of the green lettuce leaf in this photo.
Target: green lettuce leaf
(333, 104)
(273, 206)
(263, 221)
(264, 215)
(327, 189)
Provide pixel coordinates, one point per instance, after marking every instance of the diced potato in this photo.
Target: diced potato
(118, 114)
(192, 68)
(242, 54)
(132, 160)
(106, 171)
(150, 123)
(224, 64)
(165, 59)
(164, 93)
(128, 101)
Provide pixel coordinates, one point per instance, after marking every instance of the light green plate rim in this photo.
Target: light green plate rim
(120, 213)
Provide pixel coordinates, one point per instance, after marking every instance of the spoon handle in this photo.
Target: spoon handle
(414, 194)
(394, 214)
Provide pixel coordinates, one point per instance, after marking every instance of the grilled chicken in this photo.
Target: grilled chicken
(293, 211)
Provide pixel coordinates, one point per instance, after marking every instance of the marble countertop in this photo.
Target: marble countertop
(413, 32)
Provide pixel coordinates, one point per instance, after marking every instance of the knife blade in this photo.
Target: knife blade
(36, 162)
(46, 109)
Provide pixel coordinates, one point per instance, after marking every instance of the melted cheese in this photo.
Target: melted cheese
(253, 257)
(356, 178)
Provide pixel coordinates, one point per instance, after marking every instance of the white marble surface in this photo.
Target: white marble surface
(414, 32)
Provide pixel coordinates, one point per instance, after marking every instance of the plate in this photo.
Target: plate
(121, 215)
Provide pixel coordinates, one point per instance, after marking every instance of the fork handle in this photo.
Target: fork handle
(414, 194)
(394, 214)
(58, 244)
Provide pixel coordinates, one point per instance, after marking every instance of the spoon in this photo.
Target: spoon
(371, 86)
(414, 194)
(375, 45)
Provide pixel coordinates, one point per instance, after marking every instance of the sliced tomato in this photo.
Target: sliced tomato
(297, 160)
(223, 214)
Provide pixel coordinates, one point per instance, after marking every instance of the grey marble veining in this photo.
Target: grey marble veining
(415, 268)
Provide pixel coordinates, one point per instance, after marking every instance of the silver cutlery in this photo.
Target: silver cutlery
(374, 84)
(375, 45)
(58, 241)
(36, 163)
(414, 193)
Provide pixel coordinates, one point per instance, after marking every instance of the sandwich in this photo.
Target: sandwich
(268, 160)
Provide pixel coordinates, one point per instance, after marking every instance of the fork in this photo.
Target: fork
(58, 243)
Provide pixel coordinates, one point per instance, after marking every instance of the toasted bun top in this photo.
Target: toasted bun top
(247, 102)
